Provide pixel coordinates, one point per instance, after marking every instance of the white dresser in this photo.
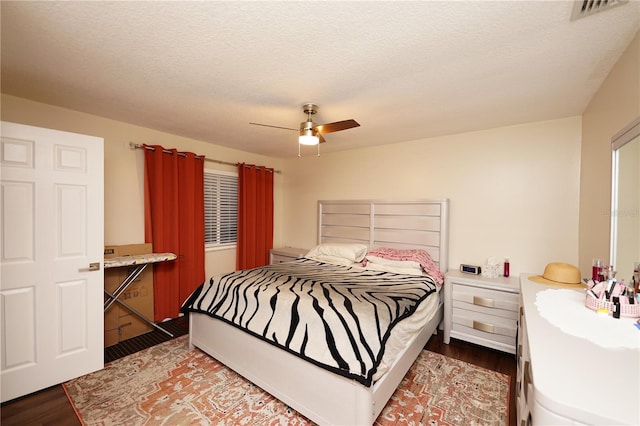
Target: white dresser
(285, 254)
(481, 310)
(568, 380)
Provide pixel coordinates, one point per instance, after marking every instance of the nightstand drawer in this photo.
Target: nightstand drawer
(490, 340)
(285, 254)
(487, 326)
(278, 258)
(485, 298)
(502, 313)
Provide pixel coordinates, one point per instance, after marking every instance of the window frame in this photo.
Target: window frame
(212, 246)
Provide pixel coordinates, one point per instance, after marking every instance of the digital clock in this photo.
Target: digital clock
(470, 269)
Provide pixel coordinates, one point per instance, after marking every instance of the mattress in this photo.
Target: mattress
(406, 331)
(346, 320)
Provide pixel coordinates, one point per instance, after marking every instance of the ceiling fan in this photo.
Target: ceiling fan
(310, 132)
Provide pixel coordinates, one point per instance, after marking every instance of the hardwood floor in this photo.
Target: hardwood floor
(47, 407)
(51, 406)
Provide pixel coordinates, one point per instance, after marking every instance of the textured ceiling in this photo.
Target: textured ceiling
(403, 70)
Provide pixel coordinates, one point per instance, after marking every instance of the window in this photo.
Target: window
(220, 208)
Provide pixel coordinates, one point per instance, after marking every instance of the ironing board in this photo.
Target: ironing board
(140, 262)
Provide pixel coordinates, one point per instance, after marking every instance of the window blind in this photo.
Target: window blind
(220, 208)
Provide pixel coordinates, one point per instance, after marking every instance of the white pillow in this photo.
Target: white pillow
(352, 252)
(394, 269)
(335, 260)
(395, 263)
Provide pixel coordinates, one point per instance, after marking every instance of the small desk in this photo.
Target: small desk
(139, 262)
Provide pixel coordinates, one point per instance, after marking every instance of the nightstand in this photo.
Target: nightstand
(481, 310)
(285, 254)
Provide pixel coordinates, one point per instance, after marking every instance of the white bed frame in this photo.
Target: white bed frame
(322, 396)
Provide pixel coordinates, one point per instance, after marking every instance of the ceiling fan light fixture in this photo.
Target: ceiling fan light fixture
(311, 133)
(308, 138)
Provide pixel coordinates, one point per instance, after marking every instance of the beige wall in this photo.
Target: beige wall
(616, 104)
(513, 190)
(124, 168)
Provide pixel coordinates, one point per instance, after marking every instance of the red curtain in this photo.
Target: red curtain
(255, 216)
(174, 222)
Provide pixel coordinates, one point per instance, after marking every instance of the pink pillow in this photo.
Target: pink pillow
(415, 255)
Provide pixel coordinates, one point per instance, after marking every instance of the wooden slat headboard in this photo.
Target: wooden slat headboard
(422, 224)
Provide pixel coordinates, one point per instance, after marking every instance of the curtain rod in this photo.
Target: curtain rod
(134, 145)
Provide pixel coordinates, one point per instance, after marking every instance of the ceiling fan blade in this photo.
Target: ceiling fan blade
(275, 127)
(322, 140)
(336, 126)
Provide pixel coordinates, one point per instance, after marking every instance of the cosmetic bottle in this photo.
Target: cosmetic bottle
(616, 307)
(506, 267)
(595, 269)
(604, 272)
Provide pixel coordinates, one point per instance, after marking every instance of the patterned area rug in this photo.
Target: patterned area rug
(169, 384)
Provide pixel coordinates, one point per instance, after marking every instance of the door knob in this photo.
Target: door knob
(93, 266)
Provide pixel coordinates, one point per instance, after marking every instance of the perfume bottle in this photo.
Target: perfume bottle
(506, 267)
(595, 269)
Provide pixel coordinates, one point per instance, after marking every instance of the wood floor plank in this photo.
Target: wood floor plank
(46, 407)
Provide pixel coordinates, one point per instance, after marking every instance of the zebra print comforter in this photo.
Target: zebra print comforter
(336, 317)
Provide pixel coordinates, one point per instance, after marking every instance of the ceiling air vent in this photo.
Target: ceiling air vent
(582, 8)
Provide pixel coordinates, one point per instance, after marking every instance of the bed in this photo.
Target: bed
(322, 395)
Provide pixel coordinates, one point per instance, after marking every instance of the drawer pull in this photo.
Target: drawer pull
(527, 379)
(483, 301)
(483, 326)
(519, 353)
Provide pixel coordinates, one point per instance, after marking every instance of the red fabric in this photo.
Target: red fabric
(174, 222)
(255, 216)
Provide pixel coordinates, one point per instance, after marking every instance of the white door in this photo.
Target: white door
(51, 226)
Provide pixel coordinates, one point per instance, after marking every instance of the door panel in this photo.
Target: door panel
(72, 322)
(17, 211)
(18, 306)
(52, 228)
(71, 201)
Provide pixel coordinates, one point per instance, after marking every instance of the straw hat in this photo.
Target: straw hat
(560, 274)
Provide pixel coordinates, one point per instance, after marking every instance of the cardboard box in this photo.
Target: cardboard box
(119, 323)
(111, 329)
